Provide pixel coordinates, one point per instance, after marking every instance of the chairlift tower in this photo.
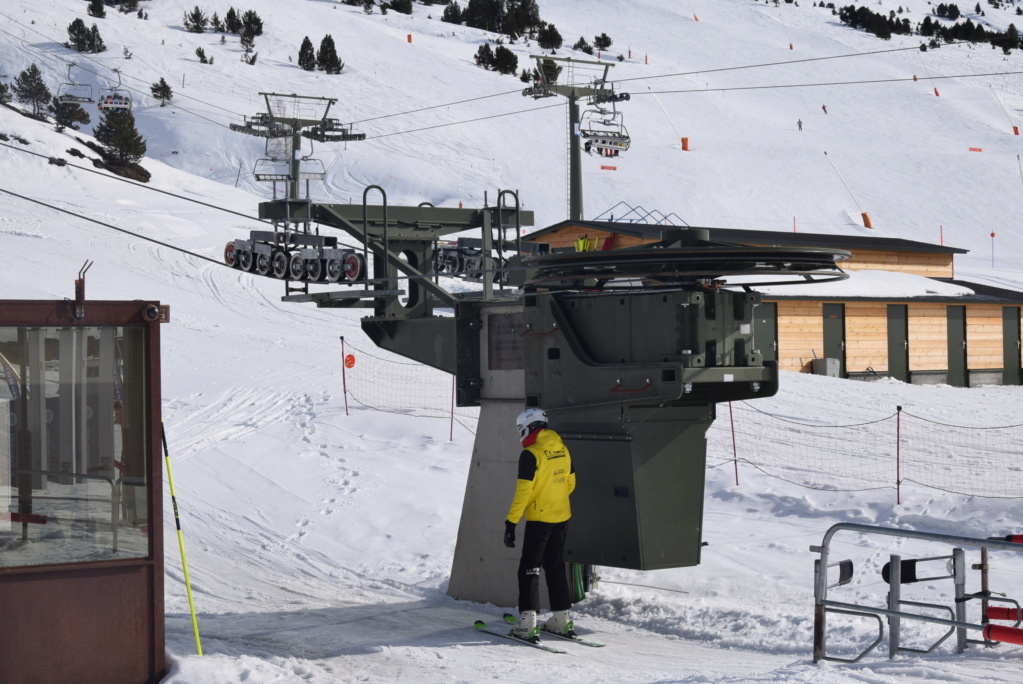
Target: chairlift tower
(628, 351)
(596, 92)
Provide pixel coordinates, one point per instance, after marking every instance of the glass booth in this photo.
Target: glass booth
(81, 544)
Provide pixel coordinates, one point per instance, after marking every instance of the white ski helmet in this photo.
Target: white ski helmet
(529, 420)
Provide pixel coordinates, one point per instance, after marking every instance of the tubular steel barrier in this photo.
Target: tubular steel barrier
(898, 572)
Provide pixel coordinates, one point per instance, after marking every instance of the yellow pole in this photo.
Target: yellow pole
(181, 544)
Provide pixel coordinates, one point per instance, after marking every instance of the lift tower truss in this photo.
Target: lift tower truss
(597, 91)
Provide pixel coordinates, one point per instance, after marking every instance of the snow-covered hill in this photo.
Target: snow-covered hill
(319, 543)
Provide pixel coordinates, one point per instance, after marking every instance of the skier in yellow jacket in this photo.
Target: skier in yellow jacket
(545, 480)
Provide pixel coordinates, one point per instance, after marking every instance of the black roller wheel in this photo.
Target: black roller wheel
(279, 265)
(262, 264)
(230, 255)
(334, 270)
(314, 270)
(296, 267)
(245, 260)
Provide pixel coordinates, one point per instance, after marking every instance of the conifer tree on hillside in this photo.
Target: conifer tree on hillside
(505, 61)
(548, 37)
(30, 89)
(252, 23)
(129, 6)
(485, 14)
(402, 6)
(5, 93)
(583, 46)
(326, 57)
(68, 115)
(232, 23)
(161, 91)
(96, 8)
(95, 42)
(195, 21)
(452, 13)
(216, 25)
(117, 134)
(307, 55)
(602, 42)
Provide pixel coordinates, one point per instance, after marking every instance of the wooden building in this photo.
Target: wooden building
(965, 340)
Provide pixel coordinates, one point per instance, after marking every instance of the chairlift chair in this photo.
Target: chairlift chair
(74, 93)
(604, 132)
(115, 98)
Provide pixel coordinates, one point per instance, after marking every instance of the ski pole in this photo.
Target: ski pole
(181, 540)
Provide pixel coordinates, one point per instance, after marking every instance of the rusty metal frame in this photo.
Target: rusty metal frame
(99, 622)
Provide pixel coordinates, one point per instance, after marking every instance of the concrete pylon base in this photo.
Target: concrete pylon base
(484, 569)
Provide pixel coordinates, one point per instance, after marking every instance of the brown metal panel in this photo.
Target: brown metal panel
(79, 625)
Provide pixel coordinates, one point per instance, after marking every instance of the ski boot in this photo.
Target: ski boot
(560, 623)
(526, 628)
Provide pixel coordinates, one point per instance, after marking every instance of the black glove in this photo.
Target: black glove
(509, 534)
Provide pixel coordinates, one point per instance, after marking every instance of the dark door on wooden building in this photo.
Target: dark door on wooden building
(898, 342)
(1011, 374)
(834, 335)
(766, 330)
(957, 375)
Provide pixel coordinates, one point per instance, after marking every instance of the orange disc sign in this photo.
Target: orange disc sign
(349, 361)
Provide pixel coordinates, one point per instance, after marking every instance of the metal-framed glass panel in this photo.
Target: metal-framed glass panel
(73, 444)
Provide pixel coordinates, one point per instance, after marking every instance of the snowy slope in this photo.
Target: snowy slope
(319, 543)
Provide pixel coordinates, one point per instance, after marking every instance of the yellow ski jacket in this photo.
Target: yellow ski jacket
(546, 478)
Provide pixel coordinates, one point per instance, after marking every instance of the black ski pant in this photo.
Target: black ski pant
(543, 545)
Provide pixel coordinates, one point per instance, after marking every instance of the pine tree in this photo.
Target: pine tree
(161, 91)
(326, 57)
(195, 21)
(120, 139)
(505, 61)
(201, 54)
(402, 6)
(129, 6)
(68, 115)
(484, 56)
(248, 41)
(548, 38)
(306, 55)
(583, 46)
(452, 14)
(95, 42)
(78, 36)
(216, 25)
(252, 22)
(232, 24)
(97, 8)
(5, 93)
(484, 14)
(602, 42)
(30, 89)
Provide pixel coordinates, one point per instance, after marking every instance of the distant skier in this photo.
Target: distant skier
(546, 478)
(800, 124)
(825, 108)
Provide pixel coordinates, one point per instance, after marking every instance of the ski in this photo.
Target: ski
(577, 639)
(482, 627)
(510, 619)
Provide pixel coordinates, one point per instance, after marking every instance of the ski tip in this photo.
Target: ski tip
(509, 618)
(480, 624)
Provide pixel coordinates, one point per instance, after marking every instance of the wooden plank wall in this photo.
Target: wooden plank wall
(928, 336)
(866, 337)
(800, 334)
(924, 264)
(983, 336)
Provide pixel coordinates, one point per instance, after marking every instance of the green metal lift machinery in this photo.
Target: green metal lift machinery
(628, 351)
